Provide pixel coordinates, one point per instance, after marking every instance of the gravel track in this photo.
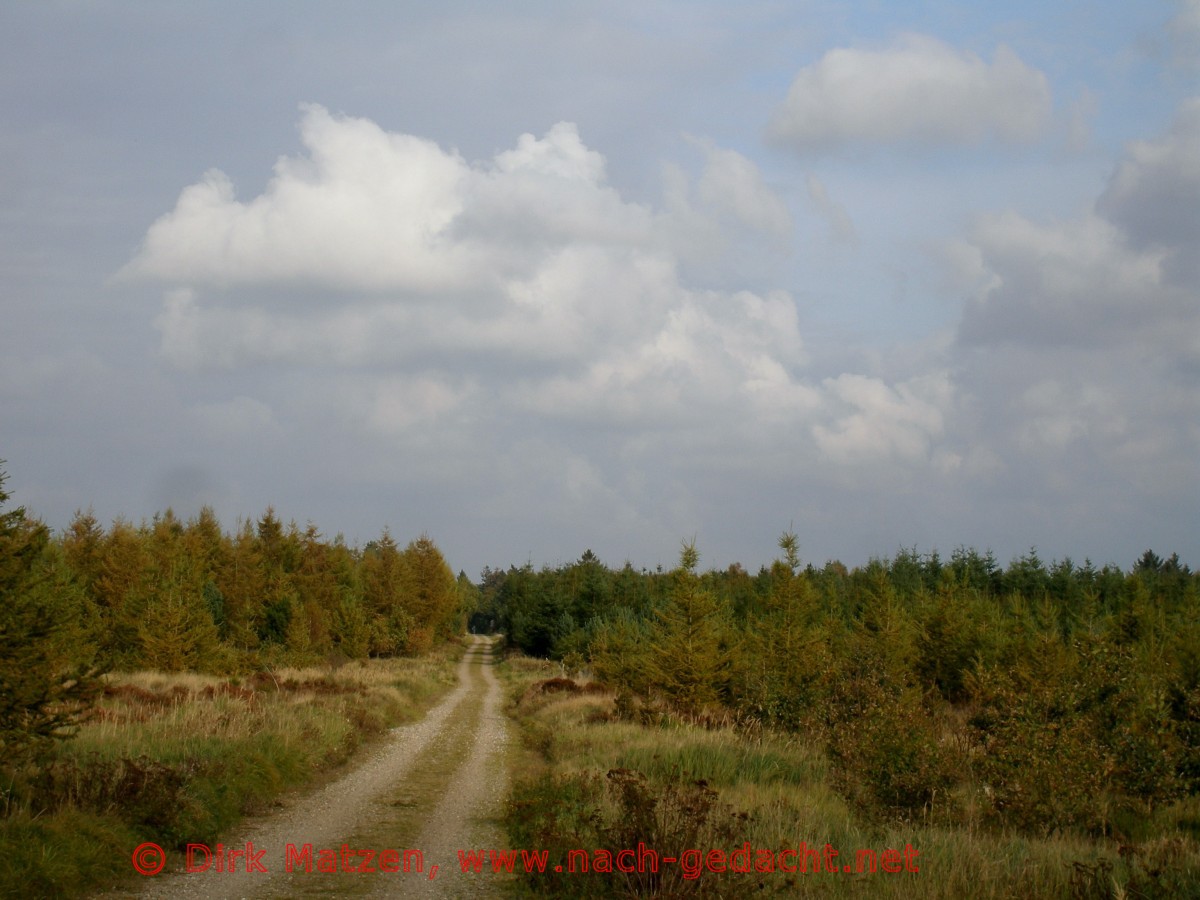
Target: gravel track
(330, 815)
(463, 819)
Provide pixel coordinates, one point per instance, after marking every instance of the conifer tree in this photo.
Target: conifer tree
(317, 589)
(691, 661)
(83, 545)
(278, 556)
(123, 581)
(177, 634)
(383, 579)
(349, 623)
(175, 627)
(46, 681)
(243, 585)
(351, 627)
(431, 591)
(205, 543)
(619, 651)
(788, 654)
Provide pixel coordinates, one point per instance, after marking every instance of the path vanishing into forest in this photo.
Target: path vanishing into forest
(434, 786)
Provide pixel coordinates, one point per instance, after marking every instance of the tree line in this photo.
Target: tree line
(1048, 695)
(1044, 695)
(178, 595)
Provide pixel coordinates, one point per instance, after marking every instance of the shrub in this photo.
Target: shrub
(1072, 737)
(889, 754)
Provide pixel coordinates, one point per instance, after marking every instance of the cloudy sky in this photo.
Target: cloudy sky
(539, 277)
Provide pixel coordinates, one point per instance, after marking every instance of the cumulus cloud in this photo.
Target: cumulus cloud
(1154, 194)
(874, 422)
(713, 356)
(1073, 282)
(727, 218)
(365, 209)
(549, 190)
(528, 266)
(1078, 352)
(1058, 412)
(1125, 271)
(733, 186)
(395, 404)
(918, 90)
(522, 302)
(370, 210)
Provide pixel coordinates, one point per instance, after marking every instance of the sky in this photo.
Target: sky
(541, 277)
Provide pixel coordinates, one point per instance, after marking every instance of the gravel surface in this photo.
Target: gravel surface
(328, 816)
(464, 819)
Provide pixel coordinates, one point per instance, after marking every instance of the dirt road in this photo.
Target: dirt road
(434, 787)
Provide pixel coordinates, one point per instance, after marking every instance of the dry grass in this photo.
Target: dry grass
(180, 757)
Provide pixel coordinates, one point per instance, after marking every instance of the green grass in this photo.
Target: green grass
(179, 758)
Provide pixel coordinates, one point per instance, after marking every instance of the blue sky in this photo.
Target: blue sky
(537, 278)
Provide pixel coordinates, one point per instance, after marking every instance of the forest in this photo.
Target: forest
(1031, 699)
(160, 681)
(1069, 695)
(1034, 727)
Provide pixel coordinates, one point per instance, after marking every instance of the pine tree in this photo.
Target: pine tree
(46, 682)
(691, 661)
(788, 655)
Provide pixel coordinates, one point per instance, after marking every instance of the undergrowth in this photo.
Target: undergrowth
(608, 771)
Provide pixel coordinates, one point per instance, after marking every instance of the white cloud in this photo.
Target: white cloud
(583, 298)
(538, 266)
(1154, 194)
(547, 192)
(1125, 273)
(561, 154)
(1078, 353)
(711, 355)
(1072, 282)
(366, 209)
(873, 421)
(917, 90)
(1056, 413)
(732, 185)
(575, 329)
(397, 403)
(727, 218)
